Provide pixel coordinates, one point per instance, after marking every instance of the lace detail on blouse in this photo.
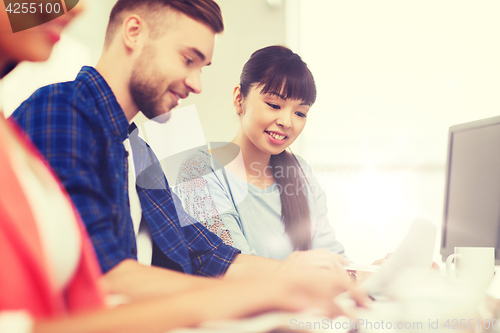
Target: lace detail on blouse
(192, 189)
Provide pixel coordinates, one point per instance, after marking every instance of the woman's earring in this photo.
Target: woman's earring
(240, 109)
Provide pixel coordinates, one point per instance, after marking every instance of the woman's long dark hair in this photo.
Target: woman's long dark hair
(278, 70)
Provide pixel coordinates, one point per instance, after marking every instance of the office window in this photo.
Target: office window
(392, 77)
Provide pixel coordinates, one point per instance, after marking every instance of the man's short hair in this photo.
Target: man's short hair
(204, 11)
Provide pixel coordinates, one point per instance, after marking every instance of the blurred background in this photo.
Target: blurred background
(392, 77)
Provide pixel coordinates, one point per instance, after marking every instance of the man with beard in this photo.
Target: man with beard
(153, 55)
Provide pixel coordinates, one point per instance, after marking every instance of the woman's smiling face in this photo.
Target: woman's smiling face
(270, 121)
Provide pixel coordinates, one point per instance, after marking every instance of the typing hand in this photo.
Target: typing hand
(321, 275)
(319, 258)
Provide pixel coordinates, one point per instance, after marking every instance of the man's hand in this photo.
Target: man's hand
(137, 282)
(317, 275)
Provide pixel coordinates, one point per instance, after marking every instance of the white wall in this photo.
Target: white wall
(392, 77)
(90, 27)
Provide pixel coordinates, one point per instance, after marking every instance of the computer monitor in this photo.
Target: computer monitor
(472, 194)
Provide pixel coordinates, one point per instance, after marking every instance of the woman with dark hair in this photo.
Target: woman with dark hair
(266, 202)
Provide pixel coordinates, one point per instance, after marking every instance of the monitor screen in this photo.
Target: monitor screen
(472, 195)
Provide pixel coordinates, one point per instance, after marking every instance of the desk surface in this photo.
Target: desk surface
(436, 306)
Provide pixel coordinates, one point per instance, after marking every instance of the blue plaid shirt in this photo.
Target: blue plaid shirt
(79, 127)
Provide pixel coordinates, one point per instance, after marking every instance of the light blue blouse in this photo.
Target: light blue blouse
(245, 216)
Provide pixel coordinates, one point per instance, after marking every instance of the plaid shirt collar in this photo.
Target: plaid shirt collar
(114, 119)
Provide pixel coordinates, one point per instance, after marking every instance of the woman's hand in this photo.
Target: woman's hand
(321, 275)
(319, 258)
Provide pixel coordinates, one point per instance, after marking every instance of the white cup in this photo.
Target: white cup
(474, 266)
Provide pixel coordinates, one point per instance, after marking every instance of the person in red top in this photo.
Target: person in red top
(44, 289)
